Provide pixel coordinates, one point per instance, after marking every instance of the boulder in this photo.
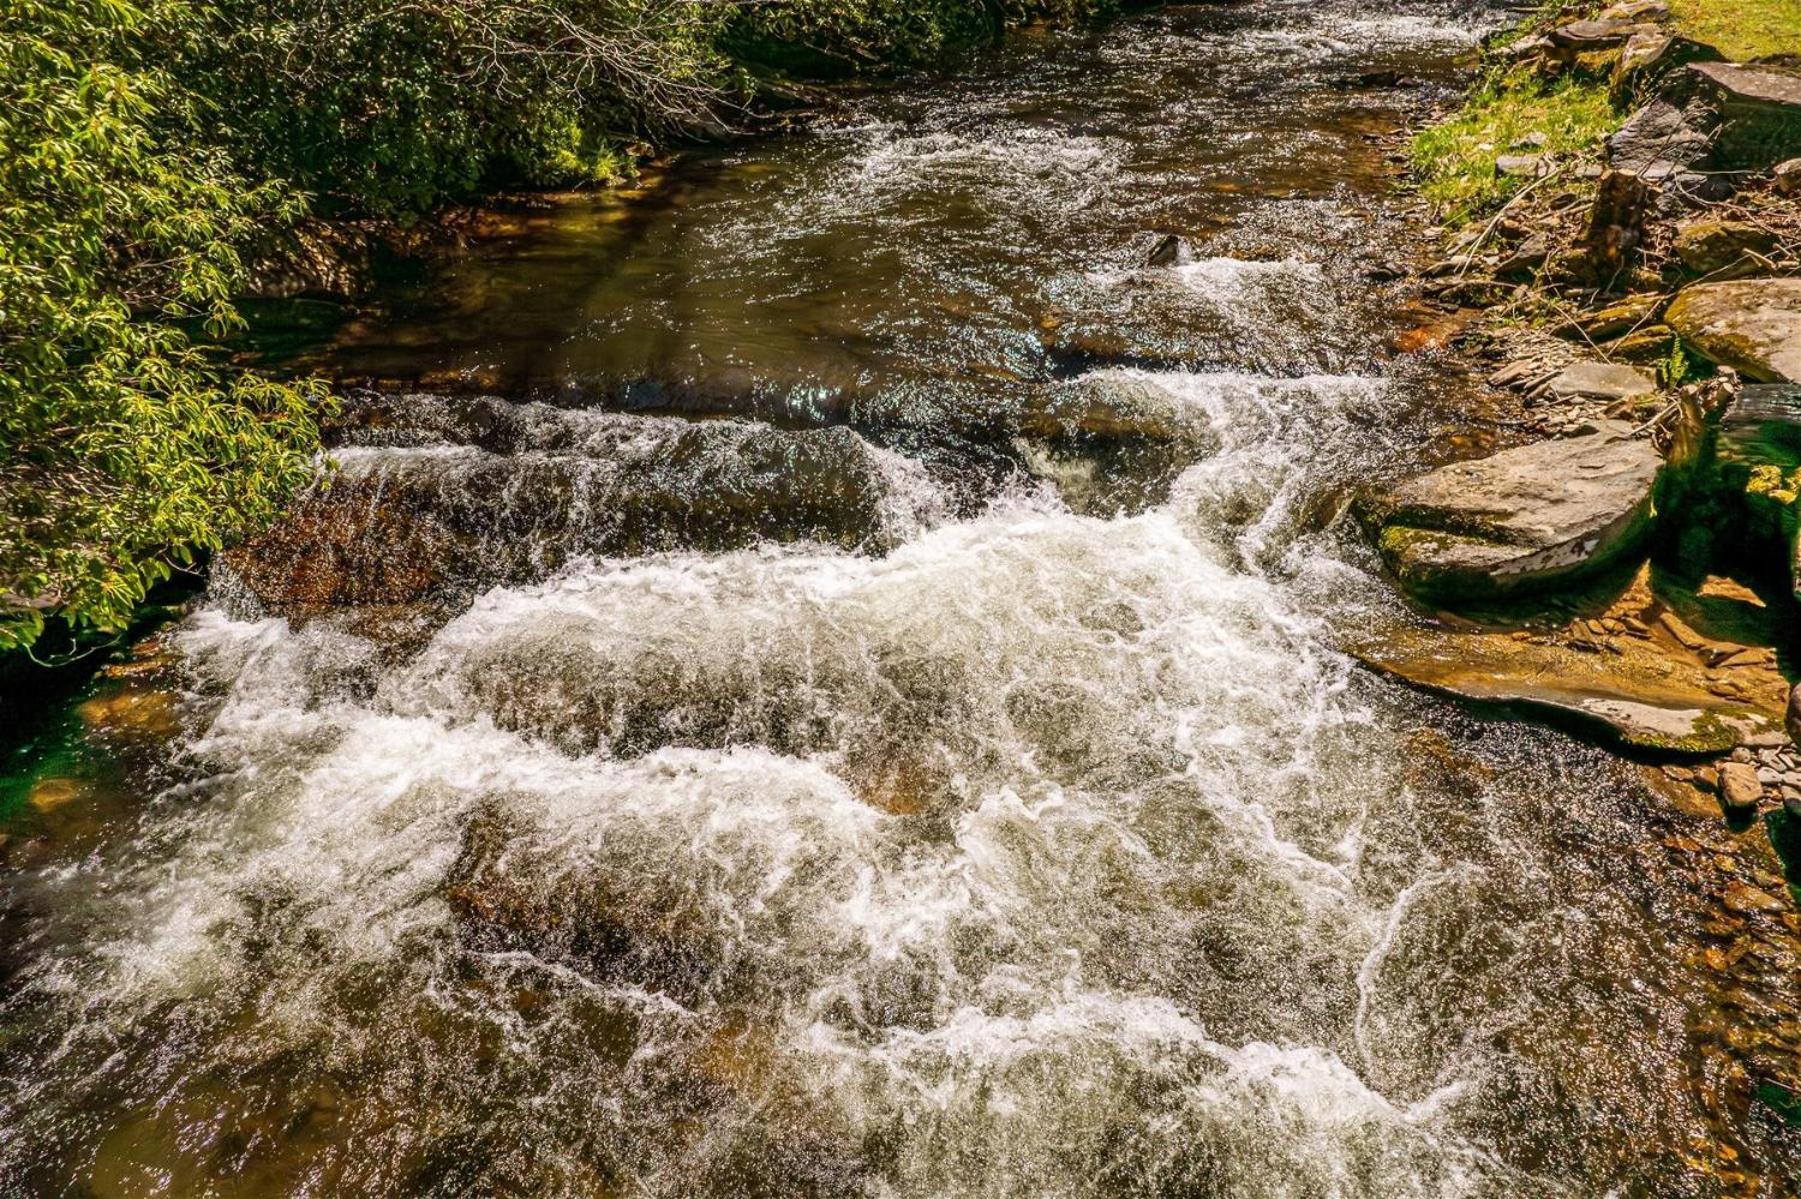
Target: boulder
(1668, 147)
(1760, 107)
(1723, 248)
(1648, 59)
(1602, 381)
(1740, 787)
(1524, 519)
(1763, 85)
(1752, 325)
(1638, 697)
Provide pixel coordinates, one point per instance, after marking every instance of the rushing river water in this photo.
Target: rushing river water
(930, 774)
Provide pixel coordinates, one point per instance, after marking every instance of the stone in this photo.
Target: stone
(1760, 107)
(1647, 347)
(1719, 248)
(1788, 177)
(1522, 519)
(1528, 166)
(1761, 84)
(1739, 786)
(1649, 58)
(1527, 258)
(1668, 147)
(1602, 381)
(1636, 698)
(1636, 10)
(1745, 899)
(1627, 316)
(1589, 36)
(1170, 250)
(1751, 325)
(1793, 721)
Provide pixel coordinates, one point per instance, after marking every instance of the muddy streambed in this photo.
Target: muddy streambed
(857, 710)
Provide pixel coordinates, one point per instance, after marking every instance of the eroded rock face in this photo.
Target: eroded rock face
(1751, 325)
(433, 499)
(1641, 674)
(1523, 519)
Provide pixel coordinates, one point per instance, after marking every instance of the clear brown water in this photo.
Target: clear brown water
(1022, 833)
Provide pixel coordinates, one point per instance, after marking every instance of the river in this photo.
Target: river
(879, 726)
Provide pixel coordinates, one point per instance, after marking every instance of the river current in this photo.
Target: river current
(1005, 823)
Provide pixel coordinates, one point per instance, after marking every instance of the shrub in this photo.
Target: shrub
(122, 441)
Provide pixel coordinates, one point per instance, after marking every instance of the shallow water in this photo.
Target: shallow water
(1010, 826)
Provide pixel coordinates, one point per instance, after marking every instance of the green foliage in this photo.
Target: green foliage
(123, 445)
(145, 143)
(1742, 29)
(1456, 158)
(392, 108)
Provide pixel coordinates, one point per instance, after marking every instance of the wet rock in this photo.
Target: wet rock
(1752, 325)
(1721, 249)
(407, 523)
(1523, 519)
(1169, 251)
(1602, 381)
(1740, 788)
(1635, 700)
(1107, 404)
(1616, 675)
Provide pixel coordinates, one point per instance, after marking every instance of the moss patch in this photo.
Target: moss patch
(1456, 159)
(1742, 29)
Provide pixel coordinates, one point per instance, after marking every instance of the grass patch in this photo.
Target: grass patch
(1742, 29)
(1456, 159)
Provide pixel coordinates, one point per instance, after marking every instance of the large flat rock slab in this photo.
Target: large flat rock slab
(1523, 519)
(1751, 325)
(1641, 675)
(1761, 84)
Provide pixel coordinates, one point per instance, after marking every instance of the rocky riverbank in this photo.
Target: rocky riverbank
(1632, 565)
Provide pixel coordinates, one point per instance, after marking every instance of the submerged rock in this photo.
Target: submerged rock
(1751, 325)
(412, 519)
(1523, 519)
